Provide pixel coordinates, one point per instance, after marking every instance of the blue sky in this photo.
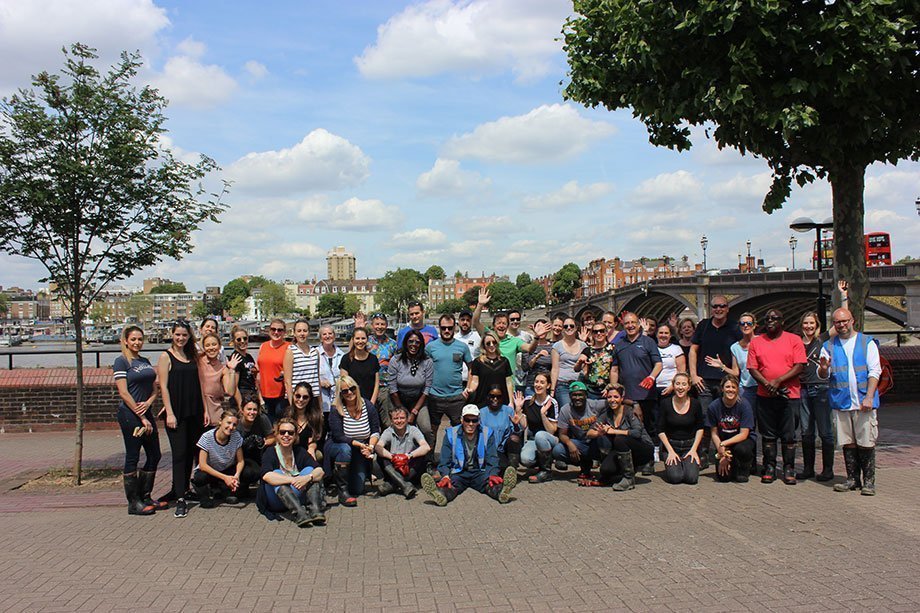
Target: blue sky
(416, 134)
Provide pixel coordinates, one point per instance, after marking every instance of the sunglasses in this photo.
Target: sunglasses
(413, 341)
(569, 326)
(446, 328)
(841, 322)
(773, 318)
(490, 343)
(349, 389)
(471, 420)
(720, 306)
(241, 339)
(286, 433)
(746, 324)
(514, 319)
(302, 396)
(276, 329)
(491, 397)
(601, 331)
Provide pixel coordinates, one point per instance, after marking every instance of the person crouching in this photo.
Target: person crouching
(401, 453)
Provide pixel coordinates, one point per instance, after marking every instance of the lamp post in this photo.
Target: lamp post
(792, 244)
(806, 224)
(704, 242)
(917, 203)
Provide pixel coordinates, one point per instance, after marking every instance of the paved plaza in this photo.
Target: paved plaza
(718, 547)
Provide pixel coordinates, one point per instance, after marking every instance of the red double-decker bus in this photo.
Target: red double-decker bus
(878, 250)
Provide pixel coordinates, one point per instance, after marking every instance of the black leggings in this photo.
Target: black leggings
(642, 453)
(150, 443)
(742, 459)
(183, 441)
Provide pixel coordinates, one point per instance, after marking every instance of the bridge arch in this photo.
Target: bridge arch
(659, 305)
(794, 304)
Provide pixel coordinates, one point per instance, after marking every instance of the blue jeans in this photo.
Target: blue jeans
(815, 412)
(358, 465)
(128, 421)
(271, 492)
(589, 450)
(562, 394)
(476, 479)
(541, 441)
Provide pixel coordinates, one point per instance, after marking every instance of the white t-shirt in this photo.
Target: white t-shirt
(473, 341)
(872, 361)
(669, 357)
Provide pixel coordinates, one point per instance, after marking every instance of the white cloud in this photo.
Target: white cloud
(547, 133)
(321, 161)
(191, 48)
(892, 189)
(421, 237)
(569, 194)
(256, 70)
(477, 37)
(186, 81)
(353, 214)
(446, 178)
(743, 188)
(668, 188)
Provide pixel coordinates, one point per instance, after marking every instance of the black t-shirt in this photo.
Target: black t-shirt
(270, 462)
(262, 426)
(714, 341)
(533, 415)
(489, 375)
(676, 426)
(247, 380)
(809, 375)
(362, 371)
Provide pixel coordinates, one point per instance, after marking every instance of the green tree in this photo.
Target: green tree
(817, 89)
(523, 280)
(906, 260)
(99, 312)
(273, 299)
(169, 288)
(88, 189)
(458, 275)
(232, 290)
(533, 294)
(257, 281)
(451, 305)
(237, 307)
(471, 296)
(4, 305)
(435, 272)
(352, 305)
(208, 306)
(331, 305)
(505, 295)
(399, 287)
(565, 282)
(140, 307)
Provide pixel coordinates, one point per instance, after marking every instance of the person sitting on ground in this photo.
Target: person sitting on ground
(469, 458)
(354, 428)
(256, 430)
(680, 429)
(291, 479)
(731, 422)
(220, 462)
(506, 424)
(623, 436)
(576, 420)
(307, 412)
(540, 411)
(401, 453)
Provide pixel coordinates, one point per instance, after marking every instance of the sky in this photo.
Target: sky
(418, 133)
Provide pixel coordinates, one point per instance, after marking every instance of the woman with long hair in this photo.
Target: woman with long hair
(215, 378)
(538, 360)
(565, 354)
(815, 411)
(491, 368)
(354, 429)
(243, 376)
(540, 410)
(301, 362)
(271, 366)
(307, 414)
(180, 388)
(291, 479)
(410, 374)
(747, 322)
(731, 422)
(208, 326)
(628, 441)
(680, 430)
(362, 366)
(135, 380)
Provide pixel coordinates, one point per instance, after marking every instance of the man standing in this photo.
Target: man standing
(514, 329)
(447, 394)
(469, 458)
(509, 346)
(384, 347)
(469, 336)
(776, 359)
(851, 361)
(417, 322)
(639, 363)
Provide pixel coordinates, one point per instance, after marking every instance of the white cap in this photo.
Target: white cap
(470, 409)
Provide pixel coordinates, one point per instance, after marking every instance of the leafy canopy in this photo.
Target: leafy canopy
(565, 281)
(399, 287)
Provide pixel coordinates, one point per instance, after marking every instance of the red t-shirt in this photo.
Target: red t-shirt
(774, 357)
(271, 365)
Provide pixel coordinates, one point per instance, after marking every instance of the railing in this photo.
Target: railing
(86, 353)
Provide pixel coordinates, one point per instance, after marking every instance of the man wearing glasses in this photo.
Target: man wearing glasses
(776, 359)
(710, 351)
(850, 361)
(447, 394)
(469, 459)
(514, 330)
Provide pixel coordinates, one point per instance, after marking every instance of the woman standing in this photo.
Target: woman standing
(354, 429)
(243, 380)
(685, 330)
(362, 366)
(291, 478)
(215, 378)
(220, 462)
(540, 411)
(301, 363)
(739, 368)
(680, 429)
(307, 415)
(209, 326)
(815, 408)
(565, 353)
(673, 360)
(271, 365)
(135, 380)
(630, 445)
(491, 368)
(177, 369)
(329, 366)
(410, 374)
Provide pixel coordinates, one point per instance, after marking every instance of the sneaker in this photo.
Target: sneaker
(181, 508)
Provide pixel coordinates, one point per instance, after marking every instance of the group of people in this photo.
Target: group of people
(618, 394)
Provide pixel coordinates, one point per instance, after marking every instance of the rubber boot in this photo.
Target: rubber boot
(867, 466)
(769, 462)
(397, 481)
(340, 474)
(316, 503)
(205, 496)
(147, 478)
(440, 495)
(789, 464)
(291, 501)
(625, 461)
(544, 466)
(851, 462)
(808, 460)
(827, 462)
(514, 460)
(502, 492)
(133, 494)
(742, 471)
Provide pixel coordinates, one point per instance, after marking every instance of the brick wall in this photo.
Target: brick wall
(905, 364)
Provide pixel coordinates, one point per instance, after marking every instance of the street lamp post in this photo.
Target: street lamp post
(704, 242)
(792, 244)
(806, 224)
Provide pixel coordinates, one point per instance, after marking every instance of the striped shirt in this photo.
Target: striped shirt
(305, 367)
(358, 429)
(220, 457)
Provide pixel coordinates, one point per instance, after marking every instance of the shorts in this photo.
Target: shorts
(859, 427)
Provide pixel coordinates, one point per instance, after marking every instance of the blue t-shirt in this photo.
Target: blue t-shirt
(730, 420)
(139, 375)
(636, 360)
(499, 423)
(448, 359)
(430, 333)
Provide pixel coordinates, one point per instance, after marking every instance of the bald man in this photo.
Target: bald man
(850, 361)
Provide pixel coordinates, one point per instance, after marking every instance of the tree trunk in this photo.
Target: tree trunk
(848, 186)
(78, 446)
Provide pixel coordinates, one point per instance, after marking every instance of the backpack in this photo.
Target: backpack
(886, 378)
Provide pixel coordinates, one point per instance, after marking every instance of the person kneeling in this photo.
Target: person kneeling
(731, 419)
(220, 462)
(291, 479)
(401, 453)
(622, 432)
(469, 458)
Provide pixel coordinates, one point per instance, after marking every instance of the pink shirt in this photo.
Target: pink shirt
(774, 357)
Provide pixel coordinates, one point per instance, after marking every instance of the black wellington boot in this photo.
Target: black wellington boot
(851, 462)
(147, 479)
(789, 464)
(867, 466)
(769, 462)
(625, 461)
(544, 467)
(133, 494)
(808, 460)
(340, 474)
(397, 481)
(827, 462)
(292, 503)
(316, 503)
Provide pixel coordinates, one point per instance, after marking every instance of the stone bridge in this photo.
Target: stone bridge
(894, 294)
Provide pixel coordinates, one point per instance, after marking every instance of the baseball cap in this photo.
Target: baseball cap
(577, 385)
(470, 409)
(465, 312)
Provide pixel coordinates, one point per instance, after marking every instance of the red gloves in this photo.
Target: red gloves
(647, 383)
(445, 482)
(401, 463)
(495, 480)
